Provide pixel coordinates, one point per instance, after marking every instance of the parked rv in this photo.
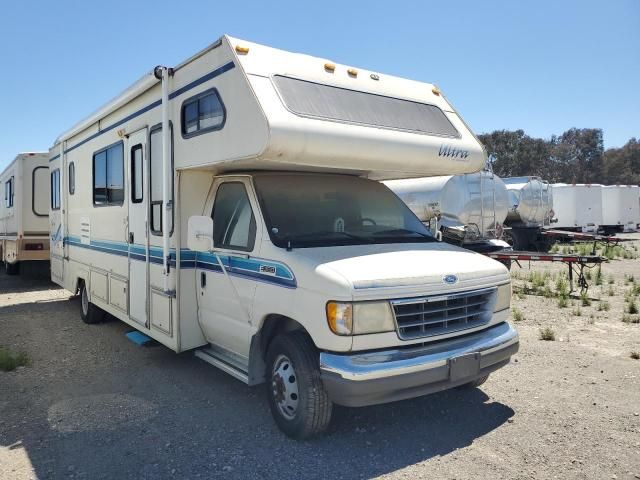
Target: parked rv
(230, 205)
(577, 207)
(24, 211)
(468, 210)
(620, 208)
(530, 212)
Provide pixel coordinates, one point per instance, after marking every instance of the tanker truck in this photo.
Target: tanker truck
(466, 210)
(530, 211)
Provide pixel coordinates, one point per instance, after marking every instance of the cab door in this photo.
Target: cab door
(138, 237)
(225, 299)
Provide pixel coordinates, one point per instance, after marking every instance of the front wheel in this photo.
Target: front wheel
(88, 311)
(297, 398)
(476, 383)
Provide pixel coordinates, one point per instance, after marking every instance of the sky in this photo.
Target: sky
(542, 66)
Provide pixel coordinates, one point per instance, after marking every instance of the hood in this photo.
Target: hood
(409, 268)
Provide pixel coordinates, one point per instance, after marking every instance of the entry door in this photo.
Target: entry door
(138, 237)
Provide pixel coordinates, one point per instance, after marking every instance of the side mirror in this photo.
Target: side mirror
(200, 234)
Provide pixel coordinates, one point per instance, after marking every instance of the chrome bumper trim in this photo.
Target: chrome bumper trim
(357, 367)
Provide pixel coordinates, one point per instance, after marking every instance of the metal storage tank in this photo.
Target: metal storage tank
(530, 201)
(620, 208)
(577, 206)
(475, 199)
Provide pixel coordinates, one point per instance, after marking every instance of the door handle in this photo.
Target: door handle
(131, 237)
(203, 279)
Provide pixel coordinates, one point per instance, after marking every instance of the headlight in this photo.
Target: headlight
(503, 297)
(360, 318)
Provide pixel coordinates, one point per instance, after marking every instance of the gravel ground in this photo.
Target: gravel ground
(94, 405)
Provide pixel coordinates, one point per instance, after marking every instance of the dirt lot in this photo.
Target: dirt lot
(93, 405)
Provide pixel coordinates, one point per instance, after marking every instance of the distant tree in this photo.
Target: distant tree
(622, 165)
(516, 153)
(575, 156)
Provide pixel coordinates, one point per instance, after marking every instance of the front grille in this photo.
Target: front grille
(440, 314)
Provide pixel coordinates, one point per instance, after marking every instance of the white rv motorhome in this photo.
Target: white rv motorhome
(230, 205)
(24, 211)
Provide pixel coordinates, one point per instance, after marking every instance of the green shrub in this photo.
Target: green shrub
(586, 302)
(563, 301)
(603, 306)
(599, 276)
(547, 334)
(517, 315)
(10, 361)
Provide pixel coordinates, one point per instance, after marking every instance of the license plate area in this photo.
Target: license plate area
(464, 366)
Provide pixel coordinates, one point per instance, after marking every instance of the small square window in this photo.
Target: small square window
(202, 113)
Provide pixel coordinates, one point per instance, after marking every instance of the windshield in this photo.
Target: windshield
(329, 210)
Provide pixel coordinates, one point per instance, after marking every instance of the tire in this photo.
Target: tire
(299, 403)
(12, 268)
(476, 383)
(89, 313)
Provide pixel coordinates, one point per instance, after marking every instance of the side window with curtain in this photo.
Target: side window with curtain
(108, 175)
(234, 225)
(155, 167)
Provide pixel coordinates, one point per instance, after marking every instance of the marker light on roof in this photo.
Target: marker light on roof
(436, 90)
(242, 50)
(352, 72)
(329, 67)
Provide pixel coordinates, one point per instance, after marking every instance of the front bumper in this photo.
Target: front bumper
(369, 378)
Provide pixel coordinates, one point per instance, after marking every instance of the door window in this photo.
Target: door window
(55, 189)
(155, 181)
(234, 225)
(136, 174)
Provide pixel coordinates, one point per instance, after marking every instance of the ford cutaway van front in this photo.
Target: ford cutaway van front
(389, 312)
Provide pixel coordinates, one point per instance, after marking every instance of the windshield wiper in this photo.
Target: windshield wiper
(404, 231)
(326, 233)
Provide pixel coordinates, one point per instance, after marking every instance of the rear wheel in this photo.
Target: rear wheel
(88, 311)
(12, 268)
(299, 403)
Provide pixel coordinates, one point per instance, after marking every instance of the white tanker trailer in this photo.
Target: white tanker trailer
(468, 209)
(530, 211)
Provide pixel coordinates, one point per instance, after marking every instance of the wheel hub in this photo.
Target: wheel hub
(284, 384)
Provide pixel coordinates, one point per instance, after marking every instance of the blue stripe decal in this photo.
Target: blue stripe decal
(205, 78)
(258, 269)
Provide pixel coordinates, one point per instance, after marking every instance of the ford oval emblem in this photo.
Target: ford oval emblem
(450, 279)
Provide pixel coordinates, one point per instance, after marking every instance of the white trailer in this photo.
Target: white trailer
(620, 208)
(228, 205)
(24, 211)
(577, 207)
